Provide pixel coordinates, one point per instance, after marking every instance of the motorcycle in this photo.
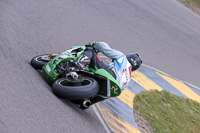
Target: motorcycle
(73, 84)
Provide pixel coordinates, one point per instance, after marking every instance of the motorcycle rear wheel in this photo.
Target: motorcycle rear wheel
(87, 88)
(39, 61)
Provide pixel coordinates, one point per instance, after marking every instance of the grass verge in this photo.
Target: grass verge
(167, 112)
(194, 5)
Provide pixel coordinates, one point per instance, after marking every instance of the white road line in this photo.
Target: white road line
(101, 119)
(152, 68)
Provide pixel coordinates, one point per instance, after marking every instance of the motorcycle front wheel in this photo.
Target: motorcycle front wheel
(65, 89)
(39, 61)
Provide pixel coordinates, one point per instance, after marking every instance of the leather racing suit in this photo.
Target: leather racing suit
(120, 68)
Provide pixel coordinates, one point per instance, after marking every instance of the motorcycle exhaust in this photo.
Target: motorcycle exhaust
(86, 103)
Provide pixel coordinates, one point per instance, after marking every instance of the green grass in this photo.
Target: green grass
(168, 112)
(197, 1)
(192, 4)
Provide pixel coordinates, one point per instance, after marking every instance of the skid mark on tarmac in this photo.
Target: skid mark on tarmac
(118, 112)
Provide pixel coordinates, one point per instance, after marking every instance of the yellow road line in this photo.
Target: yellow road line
(116, 124)
(182, 88)
(127, 97)
(144, 81)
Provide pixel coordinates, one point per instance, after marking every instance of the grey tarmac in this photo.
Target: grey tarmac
(165, 33)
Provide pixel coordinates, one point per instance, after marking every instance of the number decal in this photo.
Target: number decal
(48, 68)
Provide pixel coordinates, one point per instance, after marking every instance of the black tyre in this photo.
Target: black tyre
(39, 61)
(88, 88)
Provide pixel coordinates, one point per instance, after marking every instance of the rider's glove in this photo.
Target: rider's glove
(93, 46)
(93, 43)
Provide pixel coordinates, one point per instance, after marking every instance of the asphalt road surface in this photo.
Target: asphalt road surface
(164, 33)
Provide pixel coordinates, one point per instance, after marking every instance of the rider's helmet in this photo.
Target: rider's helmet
(134, 60)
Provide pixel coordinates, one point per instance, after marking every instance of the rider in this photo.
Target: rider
(122, 64)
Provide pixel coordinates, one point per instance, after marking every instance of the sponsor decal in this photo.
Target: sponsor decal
(64, 56)
(115, 89)
(48, 68)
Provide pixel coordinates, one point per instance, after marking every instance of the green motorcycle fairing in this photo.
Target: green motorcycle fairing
(51, 74)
